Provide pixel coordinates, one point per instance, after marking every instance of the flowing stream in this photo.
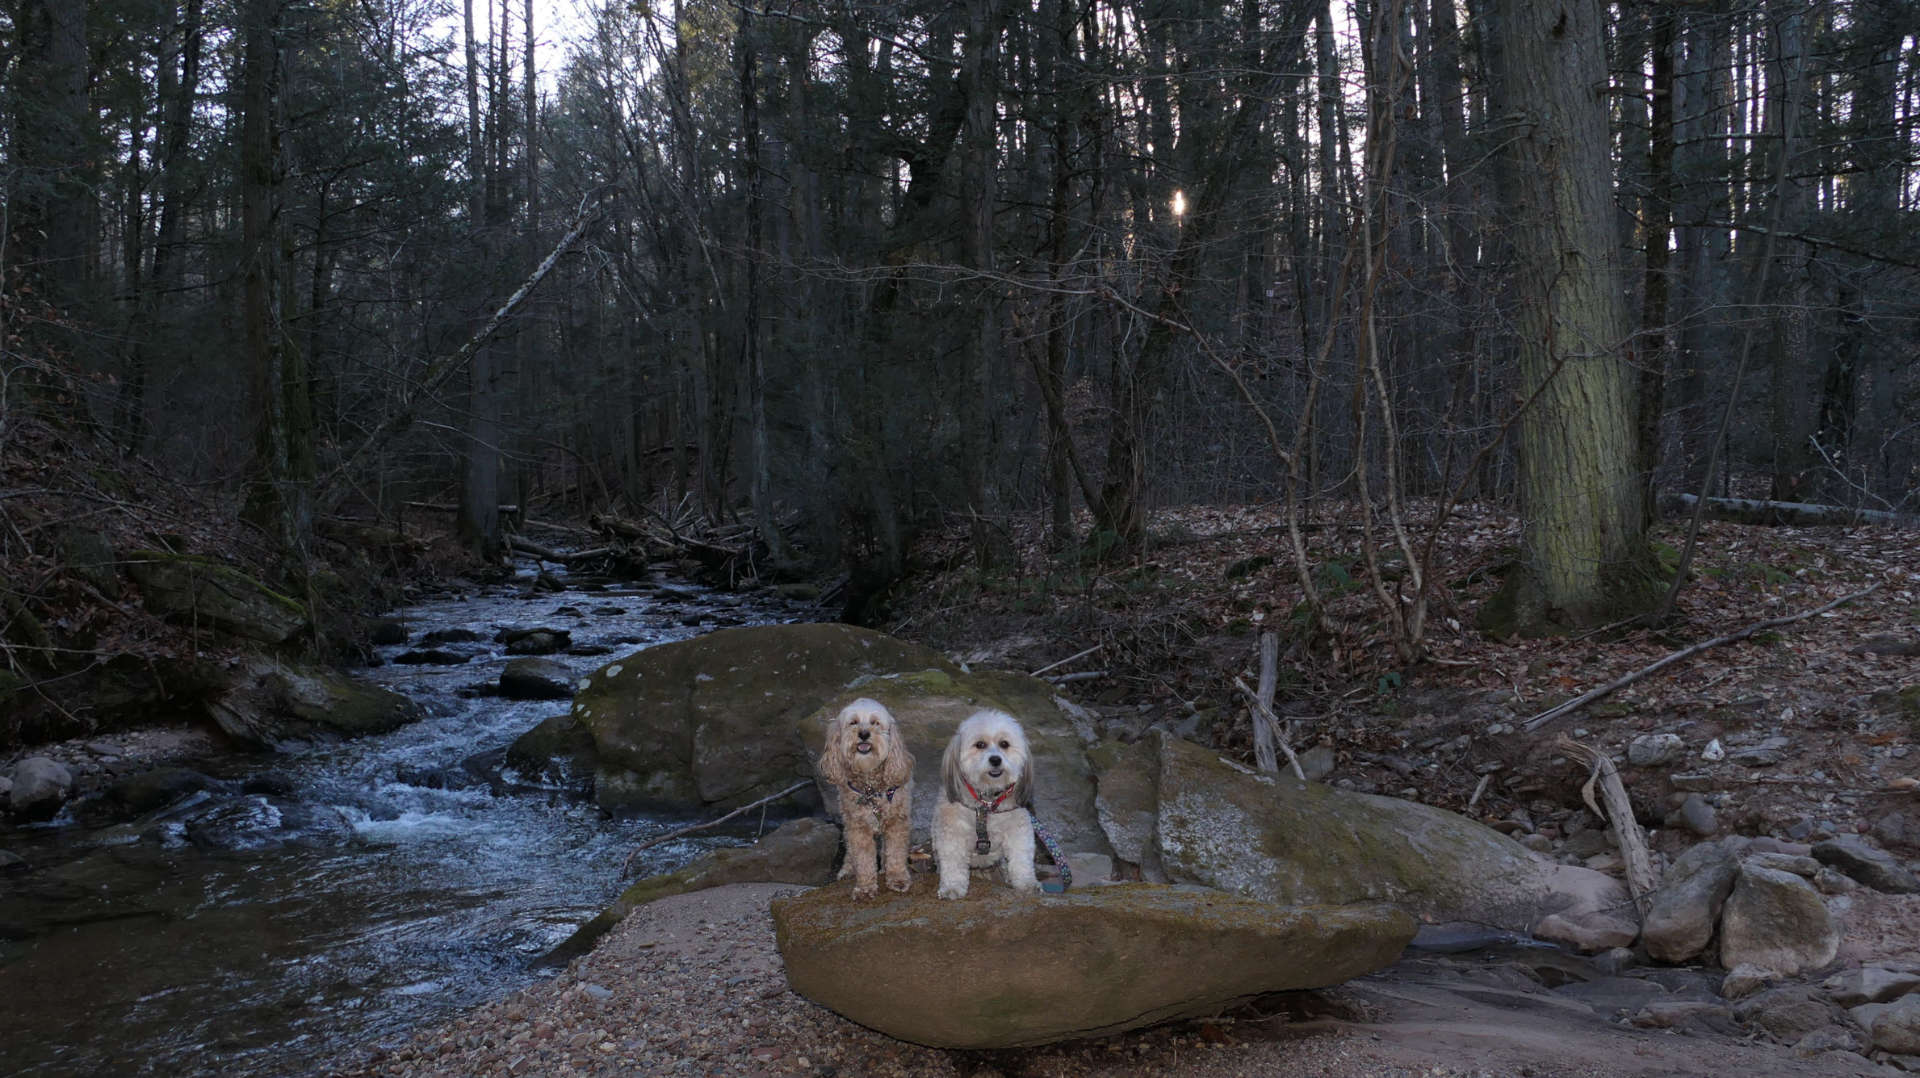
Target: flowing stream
(338, 894)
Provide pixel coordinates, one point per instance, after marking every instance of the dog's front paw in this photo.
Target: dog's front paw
(1028, 884)
(866, 889)
(898, 881)
(953, 890)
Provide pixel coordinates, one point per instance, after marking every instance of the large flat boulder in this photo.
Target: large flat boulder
(1001, 968)
(1288, 842)
(713, 722)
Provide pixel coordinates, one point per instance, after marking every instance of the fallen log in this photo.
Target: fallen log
(560, 557)
(1776, 514)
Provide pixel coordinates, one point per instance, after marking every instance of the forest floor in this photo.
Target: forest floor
(1833, 700)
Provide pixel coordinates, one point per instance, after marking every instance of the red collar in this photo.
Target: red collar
(992, 806)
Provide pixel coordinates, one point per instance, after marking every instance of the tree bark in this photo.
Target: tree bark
(1584, 555)
(479, 519)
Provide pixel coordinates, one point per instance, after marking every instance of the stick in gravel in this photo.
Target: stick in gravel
(688, 830)
(1577, 703)
(1642, 880)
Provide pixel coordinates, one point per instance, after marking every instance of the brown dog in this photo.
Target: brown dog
(868, 763)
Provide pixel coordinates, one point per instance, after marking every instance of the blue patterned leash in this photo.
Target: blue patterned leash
(1053, 850)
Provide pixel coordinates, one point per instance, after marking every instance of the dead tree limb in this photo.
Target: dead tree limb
(1774, 514)
(1264, 714)
(1618, 812)
(444, 368)
(1579, 702)
(691, 828)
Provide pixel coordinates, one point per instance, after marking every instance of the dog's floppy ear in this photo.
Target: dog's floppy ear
(899, 759)
(832, 763)
(1023, 786)
(950, 776)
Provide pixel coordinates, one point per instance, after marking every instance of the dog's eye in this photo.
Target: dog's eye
(1004, 744)
(979, 744)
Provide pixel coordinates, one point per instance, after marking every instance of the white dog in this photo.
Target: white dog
(868, 763)
(983, 820)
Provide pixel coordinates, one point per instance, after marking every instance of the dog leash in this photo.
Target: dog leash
(1053, 850)
(982, 808)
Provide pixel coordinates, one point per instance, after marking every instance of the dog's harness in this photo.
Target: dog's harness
(982, 808)
(870, 797)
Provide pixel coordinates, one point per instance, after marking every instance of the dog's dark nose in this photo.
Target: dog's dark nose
(993, 761)
(865, 734)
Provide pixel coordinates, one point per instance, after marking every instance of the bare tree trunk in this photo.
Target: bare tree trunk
(1584, 553)
(479, 517)
(991, 545)
(761, 465)
(1657, 216)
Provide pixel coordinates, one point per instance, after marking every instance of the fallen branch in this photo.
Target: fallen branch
(1084, 675)
(1642, 880)
(690, 829)
(1577, 703)
(1262, 713)
(1068, 659)
(440, 370)
(1774, 514)
(559, 557)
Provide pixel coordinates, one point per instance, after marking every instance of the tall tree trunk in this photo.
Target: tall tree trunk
(1704, 243)
(50, 178)
(754, 369)
(1657, 215)
(280, 477)
(1785, 297)
(479, 516)
(1584, 553)
(991, 544)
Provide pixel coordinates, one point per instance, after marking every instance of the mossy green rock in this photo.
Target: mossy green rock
(201, 591)
(1001, 969)
(711, 722)
(269, 702)
(1276, 838)
(928, 705)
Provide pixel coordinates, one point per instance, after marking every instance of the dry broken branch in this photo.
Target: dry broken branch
(1264, 714)
(1579, 702)
(691, 828)
(1618, 812)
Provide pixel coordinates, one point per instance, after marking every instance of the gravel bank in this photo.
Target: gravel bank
(692, 985)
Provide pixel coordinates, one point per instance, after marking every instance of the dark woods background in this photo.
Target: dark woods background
(851, 269)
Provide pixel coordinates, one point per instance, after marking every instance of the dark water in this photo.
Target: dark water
(368, 888)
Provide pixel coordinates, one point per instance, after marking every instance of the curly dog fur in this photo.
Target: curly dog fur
(867, 762)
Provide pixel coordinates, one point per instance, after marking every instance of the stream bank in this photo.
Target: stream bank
(288, 904)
